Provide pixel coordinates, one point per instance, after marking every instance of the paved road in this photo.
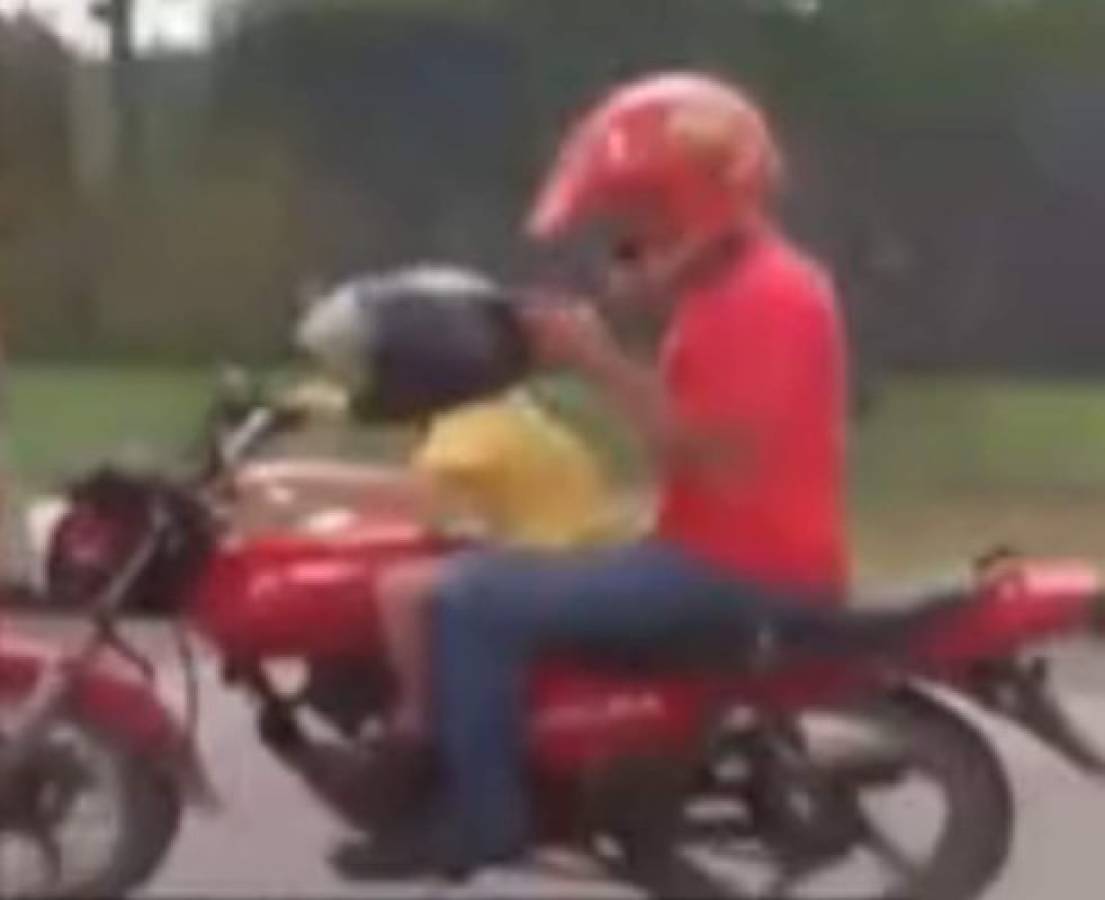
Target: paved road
(271, 840)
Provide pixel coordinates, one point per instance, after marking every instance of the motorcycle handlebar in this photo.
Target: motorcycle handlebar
(227, 451)
(259, 424)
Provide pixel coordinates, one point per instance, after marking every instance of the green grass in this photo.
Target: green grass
(944, 468)
(60, 417)
(950, 466)
(63, 418)
(976, 433)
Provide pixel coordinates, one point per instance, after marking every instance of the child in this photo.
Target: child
(506, 465)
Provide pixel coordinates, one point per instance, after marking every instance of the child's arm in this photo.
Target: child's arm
(384, 489)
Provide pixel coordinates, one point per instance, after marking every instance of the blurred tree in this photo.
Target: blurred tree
(337, 134)
(404, 124)
(34, 132)
(117, 17)
(407, 116)
(36, 188)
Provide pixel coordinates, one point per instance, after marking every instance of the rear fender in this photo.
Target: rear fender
(1019, 693)
(1029, 602)
(956, 710)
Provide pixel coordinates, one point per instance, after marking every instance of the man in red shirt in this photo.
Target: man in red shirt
(758, 346)
(744, 419)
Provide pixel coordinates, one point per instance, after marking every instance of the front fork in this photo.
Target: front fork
(53, 689)
(60, 689)
(51, 692)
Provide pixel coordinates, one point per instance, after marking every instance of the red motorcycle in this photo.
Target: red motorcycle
(769, 760)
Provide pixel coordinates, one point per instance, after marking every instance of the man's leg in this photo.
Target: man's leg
(492, 613)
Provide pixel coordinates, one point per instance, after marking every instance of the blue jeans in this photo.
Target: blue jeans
(494, 611)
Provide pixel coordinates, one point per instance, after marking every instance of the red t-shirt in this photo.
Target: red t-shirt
(758, 346)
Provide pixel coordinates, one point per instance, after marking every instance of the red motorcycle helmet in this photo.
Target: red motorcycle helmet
(683, 152)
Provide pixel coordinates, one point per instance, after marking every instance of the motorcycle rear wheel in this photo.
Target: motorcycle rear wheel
(931, 742)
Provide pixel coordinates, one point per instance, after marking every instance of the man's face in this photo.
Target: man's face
(640, 254)
(636, 303)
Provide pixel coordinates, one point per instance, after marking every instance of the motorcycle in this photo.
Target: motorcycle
(745, 766)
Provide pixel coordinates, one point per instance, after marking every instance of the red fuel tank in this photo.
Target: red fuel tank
(301, 596)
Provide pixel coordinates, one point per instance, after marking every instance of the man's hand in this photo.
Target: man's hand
(570, 333)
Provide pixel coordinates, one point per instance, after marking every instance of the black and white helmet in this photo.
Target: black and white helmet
(416, 339)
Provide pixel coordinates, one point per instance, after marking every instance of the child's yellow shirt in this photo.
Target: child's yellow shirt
(526, 477)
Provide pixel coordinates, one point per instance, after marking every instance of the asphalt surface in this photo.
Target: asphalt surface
(270, 839)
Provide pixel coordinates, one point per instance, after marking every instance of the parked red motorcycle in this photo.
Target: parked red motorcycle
(769, 759)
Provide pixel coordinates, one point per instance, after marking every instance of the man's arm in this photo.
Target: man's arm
(574, 335)
(734, 408)
(635, 390)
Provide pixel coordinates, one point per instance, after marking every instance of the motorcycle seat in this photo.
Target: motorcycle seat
(897, 618)
(915, 598)
(880, 626)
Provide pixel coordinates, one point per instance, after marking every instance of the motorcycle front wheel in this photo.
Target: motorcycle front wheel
(905, 799)
(85, 817)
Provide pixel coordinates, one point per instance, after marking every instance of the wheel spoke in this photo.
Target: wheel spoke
(48, 851)
(47, 843)
(787, 880)
(891, 811)
(676, 875)
(891, 856)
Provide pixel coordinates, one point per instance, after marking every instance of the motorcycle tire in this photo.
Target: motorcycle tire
(973, 844)
(150, 808)
(157, 810)
(977, 834)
